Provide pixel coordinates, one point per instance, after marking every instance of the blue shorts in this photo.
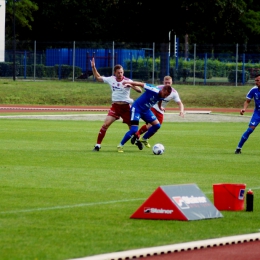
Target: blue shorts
(255, 119)
(147, 115)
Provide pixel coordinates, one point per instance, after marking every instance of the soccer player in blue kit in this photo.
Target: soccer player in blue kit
(140, 109)
(254, 93)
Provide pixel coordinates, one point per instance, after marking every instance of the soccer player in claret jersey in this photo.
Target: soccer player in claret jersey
(140, 109)
(120, 100)
(159, 113)
(254, 93)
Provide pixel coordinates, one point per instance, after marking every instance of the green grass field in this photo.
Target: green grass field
(93, 93)
(59, 200)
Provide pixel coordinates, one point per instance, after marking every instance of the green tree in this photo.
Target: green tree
(205, 21)
(23, 10)
(251, 21)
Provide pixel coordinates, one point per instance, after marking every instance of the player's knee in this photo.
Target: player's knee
(105, 126)
(134, 123)
(133, 129)
(157, 126)
(250, 130)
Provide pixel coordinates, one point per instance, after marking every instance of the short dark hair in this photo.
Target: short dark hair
(168, 89)
(118, 67)
(257, 75)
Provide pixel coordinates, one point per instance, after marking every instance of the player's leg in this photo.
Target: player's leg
(141, 130)
(102, 132)
(160, 119)
(251, 127)
(145, 127)
(135, 116)
(128, 135)
(126, 116)
(150, 118)
(135, 138)
(113, 115)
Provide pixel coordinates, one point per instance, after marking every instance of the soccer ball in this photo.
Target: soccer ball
(158, 149)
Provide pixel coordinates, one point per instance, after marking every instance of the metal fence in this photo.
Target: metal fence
(150, 62)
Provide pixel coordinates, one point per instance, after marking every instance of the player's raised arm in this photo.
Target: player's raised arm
(95, 72)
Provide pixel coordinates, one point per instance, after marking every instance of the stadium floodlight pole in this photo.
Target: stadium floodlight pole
(236, 61)
(194, 64)
(73, 62)
(34, 62)
(169, 54)
(170, 43)
(153, 61)
(14, 43)
(113, 57)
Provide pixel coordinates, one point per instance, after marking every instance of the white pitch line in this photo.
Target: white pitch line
(67, 206)
(86, 204)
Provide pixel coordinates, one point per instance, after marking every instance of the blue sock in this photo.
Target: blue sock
(133, 130)
(151, 131)
(245, 136)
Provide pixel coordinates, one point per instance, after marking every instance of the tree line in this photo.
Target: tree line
(204, 21)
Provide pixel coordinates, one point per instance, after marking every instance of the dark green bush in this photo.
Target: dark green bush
(200, 74)
(49, 71)
(6, 69)
(106, 71)
(41, 71)
(232, 76)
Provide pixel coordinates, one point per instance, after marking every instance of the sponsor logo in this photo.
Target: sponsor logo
(116, 88)
(157, 211)
(241, 194)
(185, 202)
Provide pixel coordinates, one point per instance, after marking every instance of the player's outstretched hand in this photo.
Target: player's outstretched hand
(242, 111)
(92, 62)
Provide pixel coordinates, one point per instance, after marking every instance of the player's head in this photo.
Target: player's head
(165, 91)
(257, 80)
(167, 81)
(119, 72)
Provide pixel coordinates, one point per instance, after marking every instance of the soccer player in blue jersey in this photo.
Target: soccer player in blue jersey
(140, 109)
(254, 93)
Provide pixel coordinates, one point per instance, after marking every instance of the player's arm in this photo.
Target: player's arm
(134, 83)
(181, 107)
(160, 105)
(246, 103)
(95, 72)
(136, 88)
(128, 85)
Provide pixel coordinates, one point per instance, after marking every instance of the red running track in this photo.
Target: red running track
(241, 251)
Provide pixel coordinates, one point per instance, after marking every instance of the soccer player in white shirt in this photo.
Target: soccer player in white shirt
(167, 81)
(121, 100)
